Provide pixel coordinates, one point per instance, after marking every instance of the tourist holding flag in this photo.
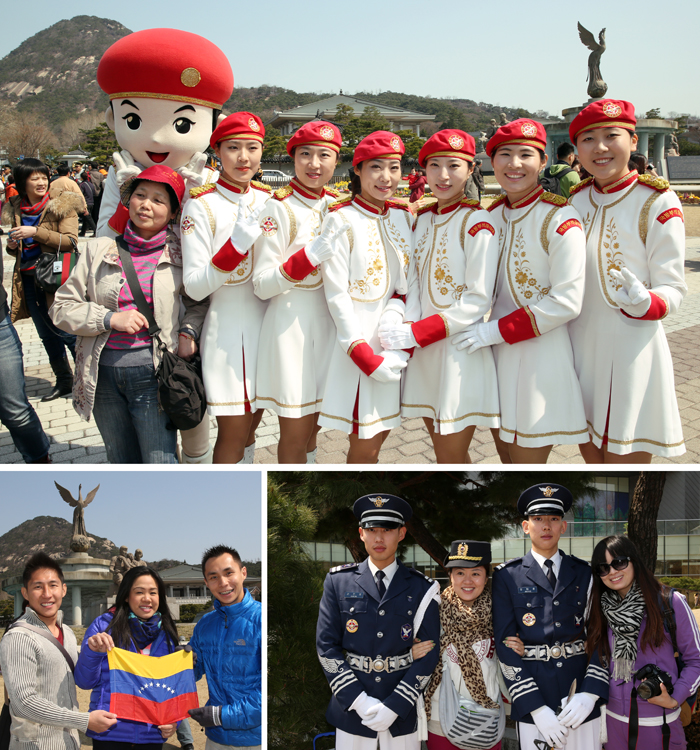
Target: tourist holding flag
(140, 622)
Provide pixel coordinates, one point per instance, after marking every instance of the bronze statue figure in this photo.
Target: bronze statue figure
(596, 85)
(80, 542)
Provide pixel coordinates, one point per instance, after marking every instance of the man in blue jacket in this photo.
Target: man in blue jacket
(228, 647)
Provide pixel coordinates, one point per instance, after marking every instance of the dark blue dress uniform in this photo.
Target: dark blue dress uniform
(551, 625)
(352, 619)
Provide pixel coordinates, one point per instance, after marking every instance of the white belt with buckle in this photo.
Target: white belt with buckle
(545, 652)
(379, 664)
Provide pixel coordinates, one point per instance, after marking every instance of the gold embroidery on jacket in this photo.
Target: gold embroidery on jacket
(376, 264)
(644, 217)
(522, 271)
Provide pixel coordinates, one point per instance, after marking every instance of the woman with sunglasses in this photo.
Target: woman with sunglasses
(626, 627)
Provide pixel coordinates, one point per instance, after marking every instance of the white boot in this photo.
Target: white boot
(205, 458)
(249, 454)
(311, 456)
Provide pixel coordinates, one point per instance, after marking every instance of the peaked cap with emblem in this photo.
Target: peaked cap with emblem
(166, 64)
(379, 510)
(466, 553)
(544, 498)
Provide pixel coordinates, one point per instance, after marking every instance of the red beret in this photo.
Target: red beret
(378, 145)
(455, 143)
(166, 64)
(316, 133)
(243, 125)
(605, 113)
(521, 132)
(157, 173)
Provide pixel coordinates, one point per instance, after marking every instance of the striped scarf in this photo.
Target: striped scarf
(624, 617)
(30, 218)
(138, 244)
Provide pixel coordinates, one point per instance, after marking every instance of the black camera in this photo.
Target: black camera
(651, 678)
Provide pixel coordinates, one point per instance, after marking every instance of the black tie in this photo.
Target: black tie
(380, 583)
(550, 574)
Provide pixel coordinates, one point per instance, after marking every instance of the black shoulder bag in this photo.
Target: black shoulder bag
(180, 385)
(53, 269)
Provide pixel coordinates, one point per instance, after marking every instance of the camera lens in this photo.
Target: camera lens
(646, 690)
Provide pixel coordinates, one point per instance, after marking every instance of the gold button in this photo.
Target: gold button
(190, 77)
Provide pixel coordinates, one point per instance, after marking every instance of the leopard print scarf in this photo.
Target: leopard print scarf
(463, 626)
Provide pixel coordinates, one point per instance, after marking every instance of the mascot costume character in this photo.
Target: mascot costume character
(166, 89)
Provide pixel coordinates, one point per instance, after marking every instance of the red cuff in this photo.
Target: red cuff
(429, 330)
(363, 356)
(227, 258)
(518, 326)
(297, 267)
(402, 297)
(119, 220)
(657, 311)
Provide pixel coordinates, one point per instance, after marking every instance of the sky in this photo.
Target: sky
(506, 53)
(168, 514)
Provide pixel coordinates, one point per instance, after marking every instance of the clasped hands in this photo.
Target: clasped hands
(374, 714)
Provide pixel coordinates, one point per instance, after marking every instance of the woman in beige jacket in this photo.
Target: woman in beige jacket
(115, 357)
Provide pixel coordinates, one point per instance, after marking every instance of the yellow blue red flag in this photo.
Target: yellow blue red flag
(151, 689)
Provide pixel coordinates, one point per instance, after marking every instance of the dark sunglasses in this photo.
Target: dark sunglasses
(619, 563)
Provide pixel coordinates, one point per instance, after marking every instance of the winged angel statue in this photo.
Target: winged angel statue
(80, 542)
(596, 85)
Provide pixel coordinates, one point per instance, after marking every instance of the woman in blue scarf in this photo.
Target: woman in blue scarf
(140, 621)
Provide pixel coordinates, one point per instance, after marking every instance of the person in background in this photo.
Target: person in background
(88, 192)
(418, 187)
(563, 169)
(96, 178)
(64, 182)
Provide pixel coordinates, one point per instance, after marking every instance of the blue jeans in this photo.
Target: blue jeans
(16, 413)
(129, 419)
(54, 339)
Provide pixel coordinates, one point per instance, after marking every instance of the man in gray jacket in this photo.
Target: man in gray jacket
(37, 673)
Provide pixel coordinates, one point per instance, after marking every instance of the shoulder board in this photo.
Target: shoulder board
(340, 203)
(656, 183)
(471, 203)
(196, 192)
(579, 560)
(501, 199)
(332, 191)
(421, 575)
(347, 566)
(508, 562)
(554, 200)
(580, 185)
(282, 193)
(423, 209)
(399, 204)
(261, 186)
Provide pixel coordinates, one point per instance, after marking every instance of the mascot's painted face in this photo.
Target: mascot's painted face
(160, 131)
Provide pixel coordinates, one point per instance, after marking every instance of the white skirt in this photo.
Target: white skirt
(451, 387)
(625, 367)
(296, 343)
(378, 404)
(229, 342)
(539, 393)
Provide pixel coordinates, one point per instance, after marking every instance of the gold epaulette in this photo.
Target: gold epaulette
(283, 192)
(553, 199)
(399, 204)
(422, 209)
(261, 186)
(196, 192)
(340, 203)
(501, 199)
(332, 191)
(470, 203)
(656, 183)
(580, 185)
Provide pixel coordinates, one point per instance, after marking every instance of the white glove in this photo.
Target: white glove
(577, 709)
(124, 167)
(324, 246)
(380, 718)
(393, 313)
(396, 336)
(362, 703)
(549, 727)
(390, 369)
(634, 298)
(246, 230)
(478, 335)
(191, 173)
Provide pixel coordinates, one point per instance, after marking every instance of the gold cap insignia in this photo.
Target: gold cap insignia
(253, 125)
(190, 77)
(396, 143)
(462, 549)
(456, 142)
(548, 491)
(379, 502)
(327, 132)
(612, 110)
(528, 129)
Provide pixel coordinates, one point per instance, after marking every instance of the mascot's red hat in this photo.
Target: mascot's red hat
(166, 64)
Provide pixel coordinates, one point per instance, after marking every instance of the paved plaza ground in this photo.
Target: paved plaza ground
(76, 441)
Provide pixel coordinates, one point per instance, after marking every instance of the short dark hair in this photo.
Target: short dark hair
(217, 551)
(93, 164)
(24, 170)
(39, 561)
(62, 170)
(564, 150)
